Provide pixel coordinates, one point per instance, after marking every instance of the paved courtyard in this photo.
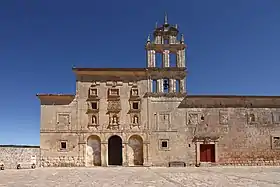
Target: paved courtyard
(141, 176)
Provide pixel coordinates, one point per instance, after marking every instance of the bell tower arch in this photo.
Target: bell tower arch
(164, 44)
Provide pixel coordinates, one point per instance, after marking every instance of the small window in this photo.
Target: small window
(94, 105)
(202, 118)
(92, 92)
(114, 92)
(134, 92)
(164, 144)
(63, 145)
(135, 105)
(252, 118)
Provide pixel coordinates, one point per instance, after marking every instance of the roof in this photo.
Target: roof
(110, 71)
(55, 96)
(228, 101)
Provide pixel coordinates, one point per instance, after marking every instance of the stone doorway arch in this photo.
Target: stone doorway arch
(135, 151)
(115, 150)
(93, 151)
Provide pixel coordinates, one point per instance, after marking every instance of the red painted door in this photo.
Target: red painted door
(207, 153)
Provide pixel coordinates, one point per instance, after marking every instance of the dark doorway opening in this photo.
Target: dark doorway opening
(115, 150)
(207, 152)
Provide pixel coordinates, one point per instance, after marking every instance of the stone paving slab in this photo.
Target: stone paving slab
(142, 177)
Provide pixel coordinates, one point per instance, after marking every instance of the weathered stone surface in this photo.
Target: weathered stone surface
(10, 156)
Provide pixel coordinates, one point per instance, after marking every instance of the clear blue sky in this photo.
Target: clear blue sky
(233, 48)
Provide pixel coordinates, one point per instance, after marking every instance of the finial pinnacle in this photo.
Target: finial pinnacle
(165, 18)
(182, 38)
(149, 39)
(176, 26)
(156, 25)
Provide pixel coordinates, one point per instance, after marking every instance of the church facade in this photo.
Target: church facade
(144, 116)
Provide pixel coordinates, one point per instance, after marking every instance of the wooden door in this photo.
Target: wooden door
(207, 153)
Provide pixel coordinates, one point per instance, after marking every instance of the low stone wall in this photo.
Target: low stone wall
(62, 161)
(10, 155)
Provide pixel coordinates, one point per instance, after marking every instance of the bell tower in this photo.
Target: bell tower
(165, 53)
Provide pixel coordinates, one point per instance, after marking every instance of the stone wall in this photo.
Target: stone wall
(10, 155)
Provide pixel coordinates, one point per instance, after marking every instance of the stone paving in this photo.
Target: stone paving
(142, 176)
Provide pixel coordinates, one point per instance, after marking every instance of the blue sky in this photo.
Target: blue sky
(233, 48)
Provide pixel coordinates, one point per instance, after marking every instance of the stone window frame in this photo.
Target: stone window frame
(272, 142)
(132, 91)
(90, 92)
(160, 144)
(222, 111)
(199, 115)
(60, 149)
(97, 105)
(248, 118)
(110, 92)
(63, 113)
(131, 105)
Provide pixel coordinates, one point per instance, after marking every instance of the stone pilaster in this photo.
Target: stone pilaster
(160, 85)
(172, 85)
(124, 153)
(182, 86)
(165, 59)
(146, 154)
(148, 57)
(183, 58)
(104, 154)
(153, 58)
(158, 40)
(179, 58)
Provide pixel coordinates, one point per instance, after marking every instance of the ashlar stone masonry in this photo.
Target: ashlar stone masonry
(144, 116)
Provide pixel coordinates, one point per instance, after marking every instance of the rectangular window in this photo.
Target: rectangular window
(164, 144)
(134, 92)
(114, 92)
(135, 105)
(94, 105)
(92, 92)
(63, 145)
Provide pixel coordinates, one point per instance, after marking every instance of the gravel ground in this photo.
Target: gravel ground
(142, 176)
